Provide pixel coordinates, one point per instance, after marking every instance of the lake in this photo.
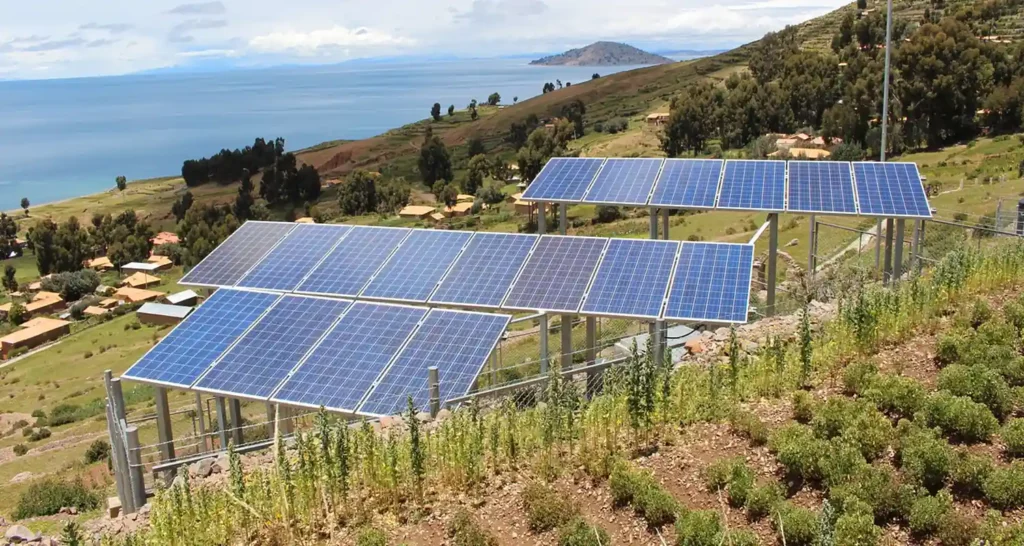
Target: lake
(66, 138)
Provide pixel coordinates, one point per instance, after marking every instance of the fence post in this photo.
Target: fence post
(594, 378)
(116, 444)
(120, 422)
(236, 421)
(887, 270)
(810, 247)
(202, 422)
(773, 255)
(999, 215)
(138, 486)
(898, 251)
(660, 343)
(163, 428)
(543, 343)
(222, 422)
(435, 390)
(878, 242)
(654, 223)
(565, 329)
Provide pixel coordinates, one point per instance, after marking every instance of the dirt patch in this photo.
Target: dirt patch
(8, 420)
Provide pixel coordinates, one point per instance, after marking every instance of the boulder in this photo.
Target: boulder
(113, 507)
(19, 533)
(202, 468)
(794, 242)
(222, 464)
(694, 346)
(444, 414)
(424, 417)
(21, 477)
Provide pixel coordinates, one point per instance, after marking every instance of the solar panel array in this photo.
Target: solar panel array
(360, 358)
(228, 263)
(816, 187)
(632, 278)
(543, 285)
(711, 279)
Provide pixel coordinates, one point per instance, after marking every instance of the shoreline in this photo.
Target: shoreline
(18, 211)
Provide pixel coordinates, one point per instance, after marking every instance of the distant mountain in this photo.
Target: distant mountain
(603, 54)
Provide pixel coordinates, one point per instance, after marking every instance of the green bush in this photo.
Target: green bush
(797, 526)
(718, 473)
(699, 528)
(749, 426)
(870, 431)
(803, 407)
(981, 384)
(656, 505)
(762, 500)
(370, 536)
(623, 483)
(898, 397)
(957, 530)
(1013, 313)
(465, 531)
(740, 484)
(960, 417)
(98, 450)
(546, 508)
(64, 414)
(1013, 437)
(952, 346)
(798, 451)
(927, 513)
(856, 529)
(47, 496)
(925, 459)
(833, 416)
(580, 533)
(39, 434)
(740, 537)
(839, 462)
(20, 449)
(974, 316)
(877, 488)
(1004, 487)
(858, 376)
(969, 473)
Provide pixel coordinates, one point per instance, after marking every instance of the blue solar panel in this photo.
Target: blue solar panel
(632, 278)
(344, 366)
(624, 182)
(821, 187)
(230, 261)
(181, 357)
(457, 342)
(711, 283)
(890, 189)
(753, 185)
(563, 179)
(557, 274)
(690, 183)
(414, 270)
(347, 269)
(265, 355)
(290, 261)
(485, 271)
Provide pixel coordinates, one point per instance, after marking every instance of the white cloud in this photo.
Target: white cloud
(319, 41)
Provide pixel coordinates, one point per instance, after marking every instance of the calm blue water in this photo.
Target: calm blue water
(65, 138)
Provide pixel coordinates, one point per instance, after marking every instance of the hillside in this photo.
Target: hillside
(603, 54)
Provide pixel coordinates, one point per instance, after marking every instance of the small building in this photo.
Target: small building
(419, 212)
(33, 334)
(162, 263)
(41, 304)
(657, 119)
(139, 267)
(165, 238)
(161, 313)
(128, 294)
(35, 286)
(437, 217)
(464, 198)
(100, 264)
(460, 209)
(104, 290)
(186, 298)
(95, 311)
(305, 220)
(802, 137)
(140, 280)
(109, 303)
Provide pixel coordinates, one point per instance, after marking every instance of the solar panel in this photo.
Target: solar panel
(753, 185)
(890, 190)
(347, 269)
(557, 274)
(343, 367)
(690, 183)
(230, 261)
(290, 261)
(482, 275)
(821, 187)
(711, 283)
(624, 182)
(563, 179)
(457, 342)
(185, 353)
(265, 355)
(414, 270)
(632, 278)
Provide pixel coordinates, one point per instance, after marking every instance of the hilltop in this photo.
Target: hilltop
(603, 54)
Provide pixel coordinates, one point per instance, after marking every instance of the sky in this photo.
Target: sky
(73, 38)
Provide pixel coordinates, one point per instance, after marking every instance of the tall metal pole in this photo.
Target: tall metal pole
(810, 249)
(773, 257)
(885, 85)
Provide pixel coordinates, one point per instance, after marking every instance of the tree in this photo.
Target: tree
(183, 203)
(24, 204)
(595, 76)
(559, 82)
(541, 146)
(862, 4)
(519, 131)
(548, 87)
(574, 112)
(493, 99)
(435, 111)
(434, 162)
(17, 314)
(122, 184)
(446, 193)
(847, 151)
(8, 237)
(72, 285)
(10, 281)
(478, 167)
(515, 99)
(769, 54)
(243, 201)
(358, 194)
(839, 121)
(473, 113)
(451, 110)
(392, 196)
(692, 120)
(60, 248)
(475, 148)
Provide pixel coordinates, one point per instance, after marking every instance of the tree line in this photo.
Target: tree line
(227, 165)
(65, 247)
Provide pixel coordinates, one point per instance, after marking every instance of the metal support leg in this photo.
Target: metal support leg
(594, 378)
(810, 247)
(201, 417)
(773, 258)
(660, 342)
(116, 444)
(138, 484)
(887, 269)
(654, 223)
(435, 390)
(543, 344)
(163, 428)
(541, 217)
(286, 423)
(664, 224)
(897, 272)
(563, 218)
(222, 422)
(271, 418)
(878, 242)
(236, 421)
(566, 330)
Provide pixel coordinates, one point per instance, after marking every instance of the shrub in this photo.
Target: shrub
(762, 500)
(960, 417)
(580, 533)
(839, 462)
(39, 414)
(740, 537)
(899, 397)
(98, 450)
(606, 214)
(72, 285)
(858, 376)
(546, 508)
(1013, 437)
(47, 496)
(623, 483)
(20, 450)
(656, 505)
(1004, 487)
(833, 416)
(957, 530)
(1013, 312)
(39, 434)
(969, 473)
(926, 459)
(370, 536)
(465, 531)
(876, 488)
(797, 450)
(749, 426)
(699, 528)
(64, 414)
(927, 513)
(718, 473)
(952, 346)
(869, 431)
(797, 526)
(803, 407)
(740, 484)
(977, 314)
(981, 384)
(856, 529)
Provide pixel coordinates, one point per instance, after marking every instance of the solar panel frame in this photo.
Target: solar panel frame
(495, 270)
(385, 284)
(278, 272)
(541, 189)
(665, 189)
(864, 194)
(794, 188)
(607, 262)
(536, 254)
(497, 325)
(678, 275)
(269, 299)
(223, 248)
(740, 192)
(602, 190)
(312, 286)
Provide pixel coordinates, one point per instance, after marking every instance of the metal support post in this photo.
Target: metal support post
(135, 474)
(435, 390)
(163, 426)
(118, 410)
(543, 343)
(878, 243)
(654, 223)
(236, 421)
(205, 442)
(563, 218)
(898, 251)
(810, 247)
(541, 217)
(566, 330)
(271, 418)
(773, 259)
(664, 224)
(116, 442)
(887, 269)
(594, 378)
(920, 245)
(999, 215)
(287, 424)
(222, 421)
(660, 343)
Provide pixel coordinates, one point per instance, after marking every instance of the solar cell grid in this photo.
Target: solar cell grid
(753, 185)
(624, 182)
(185, 353)
(347, 268)
(457, 342)
(289, 262)
(632, 278)
(890, 190)
(230, 261)
(343, 367)
(689, 183)
(563, 179)
(711, 283)
(557, 274)
(821, 187)
(414, 270)
(485, 270)
(265, 355)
